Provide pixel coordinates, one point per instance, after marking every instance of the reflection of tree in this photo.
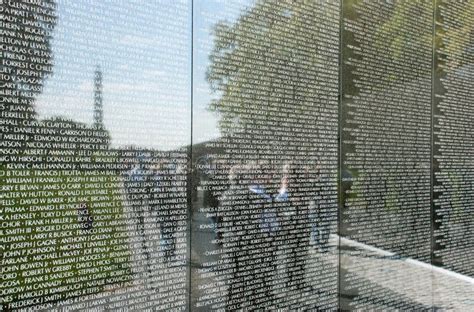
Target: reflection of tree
(456, 41)
(274, 73)
(258, 48)
(49, 149)
(399, 38)
(390, 36)
(387, 69)
(28, 59)
(265, 70)
(453, 196)
(28, 62)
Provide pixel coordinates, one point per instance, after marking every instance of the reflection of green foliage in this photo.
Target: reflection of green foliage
(394, 40)
(69, 238)
(267, 62)
(26, 84)
(39, 198)
(83, 210)
(400, 42)
(391, 197)
(455, 185)
(401, 39)
(456, 40)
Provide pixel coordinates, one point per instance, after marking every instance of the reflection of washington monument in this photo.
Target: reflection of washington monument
(98, 112)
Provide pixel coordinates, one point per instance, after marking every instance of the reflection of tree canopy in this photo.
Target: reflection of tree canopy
(267, 70)
(28, 56)
(391, 33)
(395, 39)
(457, 41)
(28, 61)
(275, 47)
(49, 148)
(274, 68)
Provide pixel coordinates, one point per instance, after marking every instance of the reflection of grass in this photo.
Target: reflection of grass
(53, 248)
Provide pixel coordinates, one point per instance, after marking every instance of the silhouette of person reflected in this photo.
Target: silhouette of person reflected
(250, 225)
(293, 208)
(232, 208)
(137, 186)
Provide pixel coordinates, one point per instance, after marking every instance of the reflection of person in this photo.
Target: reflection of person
(319, 224)
(293, 209)
(318, 216)
(160, 176)
(205, 169)
(232, 209)
(138, 192)
(250, 225)
(157, 190)
(269, 227)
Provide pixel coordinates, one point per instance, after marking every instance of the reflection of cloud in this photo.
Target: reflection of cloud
(134, 40)
(153, 73)
(145, 59)
(86, 86)
(151, 93)
(205, 126)
(143, 112)
(121, 87)
(123, 67)
(74, 103)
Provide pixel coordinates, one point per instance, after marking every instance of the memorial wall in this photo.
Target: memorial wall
(386, 146)
(228, 155)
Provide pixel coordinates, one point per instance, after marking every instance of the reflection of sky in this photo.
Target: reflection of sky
(206, 14)
(144, 51)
